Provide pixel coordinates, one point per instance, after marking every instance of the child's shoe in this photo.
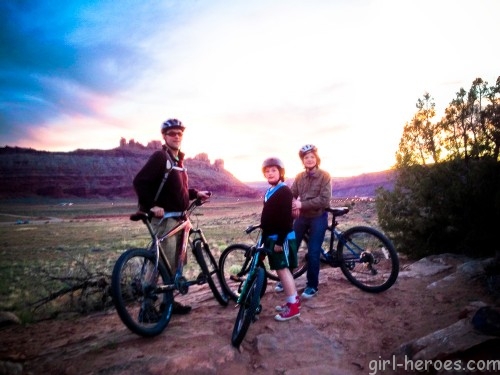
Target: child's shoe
(278, 287)
(309, 292)
(285, 305)
(291, 311)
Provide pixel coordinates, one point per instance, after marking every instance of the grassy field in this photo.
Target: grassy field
(48, 247)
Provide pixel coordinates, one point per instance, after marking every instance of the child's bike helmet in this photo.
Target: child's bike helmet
(272, 161)
(307, 149)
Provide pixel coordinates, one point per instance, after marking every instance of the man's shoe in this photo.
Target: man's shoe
(309, 292)
(291, 311)
(285, 305)
(180, 309)
(278, 287)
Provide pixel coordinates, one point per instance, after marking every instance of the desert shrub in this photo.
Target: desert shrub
(447, 207)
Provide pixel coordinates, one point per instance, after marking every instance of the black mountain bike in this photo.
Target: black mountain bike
(365, 256)
(143, 282)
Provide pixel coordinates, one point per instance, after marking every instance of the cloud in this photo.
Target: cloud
(59, 58)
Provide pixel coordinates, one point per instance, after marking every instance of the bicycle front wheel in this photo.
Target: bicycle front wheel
(140, 301)
(210, 269)
(234, 265)
(368, 259)
(249, 307)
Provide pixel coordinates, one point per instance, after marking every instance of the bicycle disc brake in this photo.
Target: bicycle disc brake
(368, 260)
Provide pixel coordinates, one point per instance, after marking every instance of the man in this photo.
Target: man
(170, 196)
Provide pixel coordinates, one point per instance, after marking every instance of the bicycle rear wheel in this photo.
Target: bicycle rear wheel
(368, 259)
(210, 269)
(234, 265)
(249, 307)
(135, 284)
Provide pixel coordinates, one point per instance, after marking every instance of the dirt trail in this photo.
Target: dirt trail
(340, 331)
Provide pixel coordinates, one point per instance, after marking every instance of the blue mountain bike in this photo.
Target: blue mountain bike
(365, 256)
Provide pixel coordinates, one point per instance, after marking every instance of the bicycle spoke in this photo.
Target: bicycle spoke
(134, 283)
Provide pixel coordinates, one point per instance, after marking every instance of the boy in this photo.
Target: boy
(278, 236)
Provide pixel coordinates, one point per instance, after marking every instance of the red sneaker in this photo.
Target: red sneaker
(285, 305)
(291, 311)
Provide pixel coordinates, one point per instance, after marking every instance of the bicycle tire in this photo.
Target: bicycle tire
(368, 259)
(210, 269)
(137, 301)
(234, 265)
(248, 307)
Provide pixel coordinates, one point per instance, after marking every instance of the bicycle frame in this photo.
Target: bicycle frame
(330, 254)
(255, 255)
(186, 227)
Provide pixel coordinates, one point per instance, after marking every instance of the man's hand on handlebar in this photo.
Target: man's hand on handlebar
(157, 211)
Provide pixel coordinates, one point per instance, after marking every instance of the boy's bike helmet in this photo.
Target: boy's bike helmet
(307, 149)
(172, 123)
(276, 162)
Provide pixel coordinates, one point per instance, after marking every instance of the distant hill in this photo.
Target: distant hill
(362, 186)
(109, 173)
(99, 173)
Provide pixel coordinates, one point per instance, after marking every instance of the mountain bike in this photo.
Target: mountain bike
(252, 290)
(366, 257)
(143, 282)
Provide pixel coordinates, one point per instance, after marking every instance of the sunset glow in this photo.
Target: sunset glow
(248, 79)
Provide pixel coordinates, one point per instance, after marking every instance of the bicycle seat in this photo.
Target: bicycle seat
(337, 211)
(139, 216)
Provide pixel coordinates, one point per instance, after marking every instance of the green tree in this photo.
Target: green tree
(419, 142)
(448, 175)
(490, 120)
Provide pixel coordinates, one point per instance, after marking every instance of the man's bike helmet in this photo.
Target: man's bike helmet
(276, 162)
(172, 123)
(307, 149)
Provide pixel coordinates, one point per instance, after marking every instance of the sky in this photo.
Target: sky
(249, 79)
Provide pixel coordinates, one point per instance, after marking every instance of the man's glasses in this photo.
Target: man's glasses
(173, 134)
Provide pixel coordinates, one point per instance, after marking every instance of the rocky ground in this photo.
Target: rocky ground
(342, 330)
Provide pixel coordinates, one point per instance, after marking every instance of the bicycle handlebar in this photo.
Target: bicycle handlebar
(147, 216)
(251, 228)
